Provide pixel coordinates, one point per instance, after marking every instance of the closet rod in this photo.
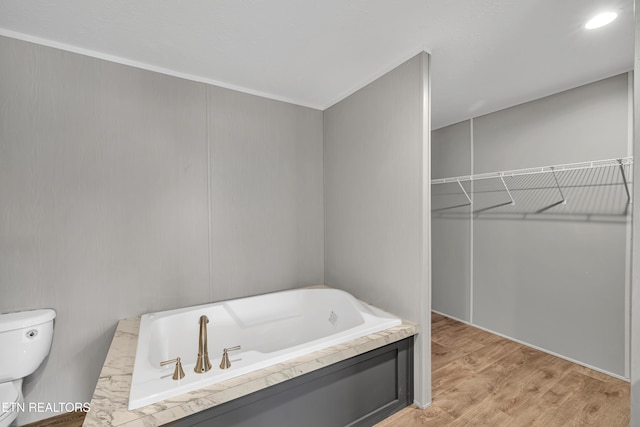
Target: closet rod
(544, 169)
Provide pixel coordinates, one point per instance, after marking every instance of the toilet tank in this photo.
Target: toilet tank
(25, 341)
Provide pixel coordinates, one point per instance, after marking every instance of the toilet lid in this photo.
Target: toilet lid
(9, 394)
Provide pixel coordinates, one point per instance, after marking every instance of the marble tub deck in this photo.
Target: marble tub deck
(111, 396)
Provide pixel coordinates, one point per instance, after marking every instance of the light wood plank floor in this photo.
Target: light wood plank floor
(71, 419)
(483, 379)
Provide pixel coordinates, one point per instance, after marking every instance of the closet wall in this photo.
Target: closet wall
(451, 235)
(559, 283)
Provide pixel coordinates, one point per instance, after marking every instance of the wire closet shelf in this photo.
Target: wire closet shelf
(596, 188)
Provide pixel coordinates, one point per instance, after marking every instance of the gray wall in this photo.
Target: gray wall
(635, 291)
(451, 234)
(122, 188)
(376, 175)
(556, 284)
(583, 124)
(266, 194)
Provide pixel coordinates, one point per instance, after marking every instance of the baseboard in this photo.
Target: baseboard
(577, 362)
(69, 419)
(466, 322)
(420, 405)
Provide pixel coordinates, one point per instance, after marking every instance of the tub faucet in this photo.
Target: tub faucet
(203, 364)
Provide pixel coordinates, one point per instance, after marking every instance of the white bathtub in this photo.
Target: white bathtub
(270, 328)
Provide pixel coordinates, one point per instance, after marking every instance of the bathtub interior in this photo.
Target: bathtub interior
(270, 329)
(264, 323)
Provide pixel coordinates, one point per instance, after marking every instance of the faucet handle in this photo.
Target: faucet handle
(178, 372)
(225, 363)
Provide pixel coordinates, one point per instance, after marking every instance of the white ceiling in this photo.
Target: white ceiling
(486, 54)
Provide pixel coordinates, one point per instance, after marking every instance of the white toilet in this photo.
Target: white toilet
(25, 341)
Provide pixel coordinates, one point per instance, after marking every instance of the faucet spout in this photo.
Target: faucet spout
(203, 364)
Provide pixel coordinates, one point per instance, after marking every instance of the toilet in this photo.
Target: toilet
(25, 341)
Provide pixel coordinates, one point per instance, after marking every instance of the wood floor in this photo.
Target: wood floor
(71, 419)
(483, 379)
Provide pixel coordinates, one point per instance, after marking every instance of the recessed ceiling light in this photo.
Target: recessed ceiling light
(600, 20)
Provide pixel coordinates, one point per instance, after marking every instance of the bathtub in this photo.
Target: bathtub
(269, 328)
